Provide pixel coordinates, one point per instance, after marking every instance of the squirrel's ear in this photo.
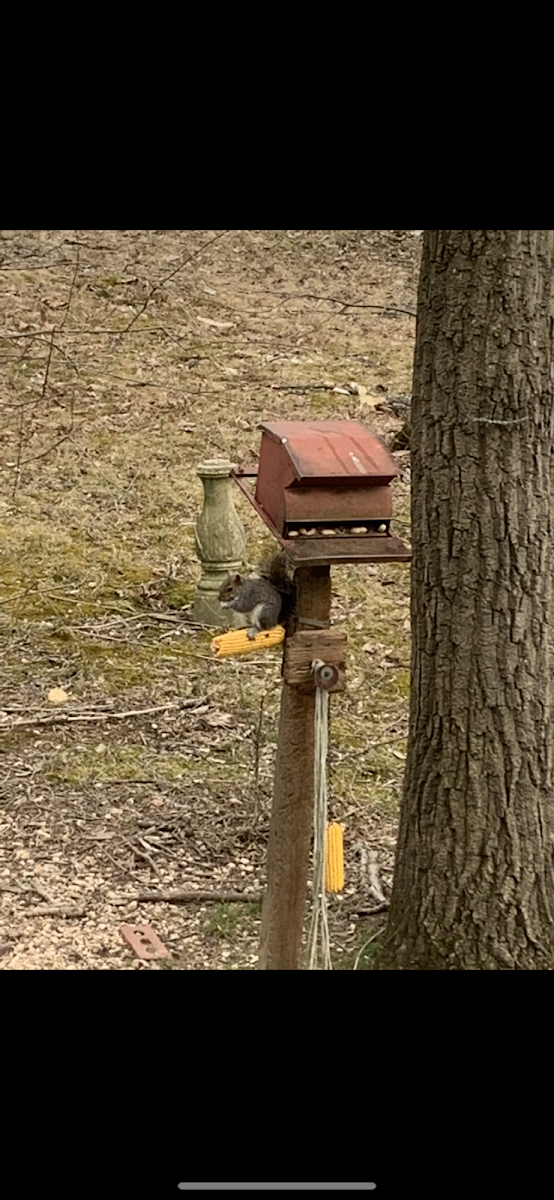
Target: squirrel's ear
(237, 579)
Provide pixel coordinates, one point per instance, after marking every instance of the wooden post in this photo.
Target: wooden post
(293, 800)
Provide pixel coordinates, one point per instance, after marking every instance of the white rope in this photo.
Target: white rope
(319, 928)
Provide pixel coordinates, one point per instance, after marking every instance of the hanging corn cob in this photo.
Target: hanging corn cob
(334, 858)
(238, 642)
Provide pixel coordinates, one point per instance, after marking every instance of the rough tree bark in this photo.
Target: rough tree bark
(474, 880)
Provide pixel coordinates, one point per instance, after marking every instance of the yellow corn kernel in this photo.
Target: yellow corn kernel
(238, 642)
(334, 858)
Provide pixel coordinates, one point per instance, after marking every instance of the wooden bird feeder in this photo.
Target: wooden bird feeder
(323, 488)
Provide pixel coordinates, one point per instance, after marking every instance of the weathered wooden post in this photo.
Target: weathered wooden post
(292, 813)
(323, 489)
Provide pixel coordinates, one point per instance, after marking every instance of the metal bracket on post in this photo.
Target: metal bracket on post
(301, 650)
(326, 677)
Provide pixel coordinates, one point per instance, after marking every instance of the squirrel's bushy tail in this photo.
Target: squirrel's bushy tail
(278, 570)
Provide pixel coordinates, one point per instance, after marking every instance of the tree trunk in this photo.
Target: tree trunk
(474, 879)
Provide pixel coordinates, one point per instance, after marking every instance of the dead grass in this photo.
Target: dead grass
(118, 382)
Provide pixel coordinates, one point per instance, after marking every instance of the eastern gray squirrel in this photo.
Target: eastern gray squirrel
(266, 600)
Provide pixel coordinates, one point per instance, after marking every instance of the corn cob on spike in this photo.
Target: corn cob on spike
(334, 858)
(238, 642)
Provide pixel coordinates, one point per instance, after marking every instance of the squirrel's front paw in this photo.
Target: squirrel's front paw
(252, 633)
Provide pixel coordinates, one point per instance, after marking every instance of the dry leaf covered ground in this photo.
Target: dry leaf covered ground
(126, 357)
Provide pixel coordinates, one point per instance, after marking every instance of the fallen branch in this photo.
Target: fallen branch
(52, 910)
(160, 617)
(191, 897)
(368, 912)
(69, 718)
(303, 387)
(144, 856)
(37, 333)
(155, 782)
(389, 308)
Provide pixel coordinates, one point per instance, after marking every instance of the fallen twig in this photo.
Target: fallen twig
(143, 855)
(371, 939)
(303, 387)
(52, 910)
(41, 891)
(345, 303)
(154, 782)
(368, 912)
(191, 897)
(61, 718)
